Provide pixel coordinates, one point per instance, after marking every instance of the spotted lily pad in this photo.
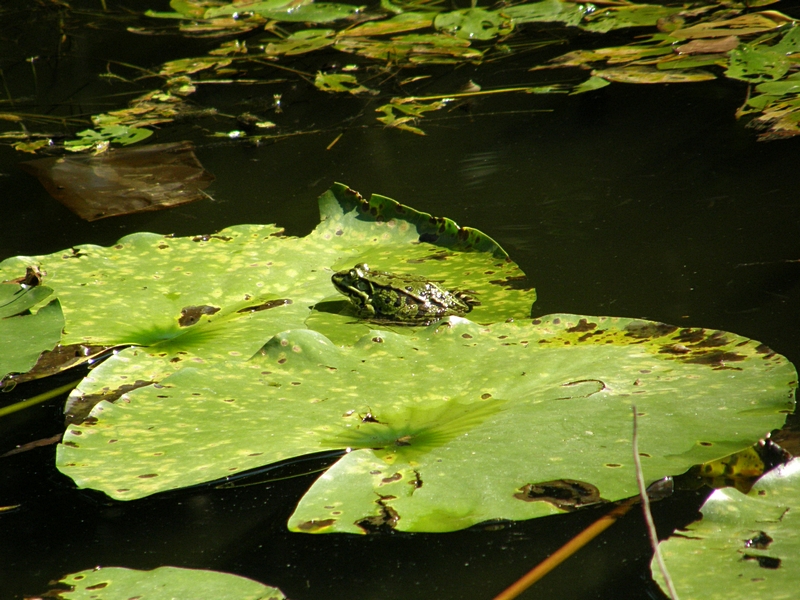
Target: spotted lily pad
(749, 545)
(446, 427)
(222, 296)
(164, 583)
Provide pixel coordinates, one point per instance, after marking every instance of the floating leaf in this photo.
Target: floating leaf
(738, 26)
(473, 24)
(748, 544)
(289, 10)
(790, 85)
(708, 46)
(415, 48)
(641, 74)
(409, 21)
(635, 15)
(301, 42)
(548, 11)
(756, 64)
(219, 296)
(164, 583)
(448, 427)
(121, 182)
(401, 112)
(591, 84)
(340, 82)
(263, 7)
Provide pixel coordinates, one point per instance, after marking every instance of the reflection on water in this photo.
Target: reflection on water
(476, 169)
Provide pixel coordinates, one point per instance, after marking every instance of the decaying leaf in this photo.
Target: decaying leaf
(123, 181)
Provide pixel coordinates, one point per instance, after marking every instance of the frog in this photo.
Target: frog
(404, 299)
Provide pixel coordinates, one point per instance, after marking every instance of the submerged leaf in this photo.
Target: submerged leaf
(121, 182)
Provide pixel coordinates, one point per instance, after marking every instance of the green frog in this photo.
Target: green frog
(399, 298)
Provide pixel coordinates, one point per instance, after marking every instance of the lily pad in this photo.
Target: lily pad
(749, 545)
(452, 425)
(757, 64)
(222, 296)
(473, 23)
(634, 15)
(164, 583)
(548, 11)
(27, 327)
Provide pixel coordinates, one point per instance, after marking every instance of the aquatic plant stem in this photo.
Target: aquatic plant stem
(648, 517)
(12, 408)
(567, 550)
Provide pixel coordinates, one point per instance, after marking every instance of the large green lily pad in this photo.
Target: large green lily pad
(164, 583)
(447, 426)
(224, 295)
(745, 546)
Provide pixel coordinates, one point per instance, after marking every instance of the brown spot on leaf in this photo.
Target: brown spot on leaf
(391, 478)
(384, 522)
(97, 586)
(206, 237)
(583, 325)
(717, 358)
(316, 525)
(716, 339)
(765, 562)
(519, 282)
(565, 494)
(78, 409)
(646, 329)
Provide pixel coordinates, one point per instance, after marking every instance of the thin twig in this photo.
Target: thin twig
(567, 550)
(648, 517)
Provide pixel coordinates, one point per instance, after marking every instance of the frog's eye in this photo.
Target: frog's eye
(354, 274)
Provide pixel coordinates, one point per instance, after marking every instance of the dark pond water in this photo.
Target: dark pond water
(641, 201)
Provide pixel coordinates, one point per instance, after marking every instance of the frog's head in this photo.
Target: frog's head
(354, 283)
